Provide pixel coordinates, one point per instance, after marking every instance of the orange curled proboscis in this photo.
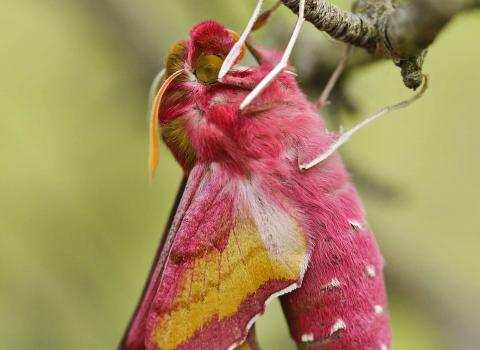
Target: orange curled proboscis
(154, 137)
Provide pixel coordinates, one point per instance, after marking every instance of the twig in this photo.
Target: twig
(400, 30)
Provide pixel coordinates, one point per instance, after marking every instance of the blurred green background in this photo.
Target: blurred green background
(79, 222)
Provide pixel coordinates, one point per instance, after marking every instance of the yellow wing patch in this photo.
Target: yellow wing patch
(217, 284)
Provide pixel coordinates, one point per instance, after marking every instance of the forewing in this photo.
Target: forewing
(135, 334)
(231, 251)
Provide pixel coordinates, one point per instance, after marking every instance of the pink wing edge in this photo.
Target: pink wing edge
(154, 271)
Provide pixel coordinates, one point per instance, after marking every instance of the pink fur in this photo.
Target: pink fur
(264, 145)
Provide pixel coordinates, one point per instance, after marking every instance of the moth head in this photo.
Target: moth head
(203, 55)
(197, 60)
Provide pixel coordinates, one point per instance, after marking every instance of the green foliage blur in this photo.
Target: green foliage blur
(79, 222)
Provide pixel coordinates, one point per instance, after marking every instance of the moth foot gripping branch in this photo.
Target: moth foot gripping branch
(344, 137)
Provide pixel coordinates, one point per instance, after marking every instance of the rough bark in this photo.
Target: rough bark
(398, 29)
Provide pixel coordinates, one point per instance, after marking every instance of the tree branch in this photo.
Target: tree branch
(398, 29)
(348, 27)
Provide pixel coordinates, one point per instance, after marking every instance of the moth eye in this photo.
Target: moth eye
(207, 68)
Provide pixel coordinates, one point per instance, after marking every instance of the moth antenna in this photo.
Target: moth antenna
(154, 89)
(154, 142)
(325, 96)
(345, 136)
(237, 47)
(283, 62)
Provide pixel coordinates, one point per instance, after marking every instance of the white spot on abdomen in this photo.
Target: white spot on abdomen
(338, 326)
(378, 309)
(307, 337)
(370, 270)
(335, 283)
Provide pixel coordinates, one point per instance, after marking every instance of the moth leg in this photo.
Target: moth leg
(283, 62)
(264, 18)
(262, 55)
(345, 136)
(251, 342)
(237, 48)
(323, 100)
